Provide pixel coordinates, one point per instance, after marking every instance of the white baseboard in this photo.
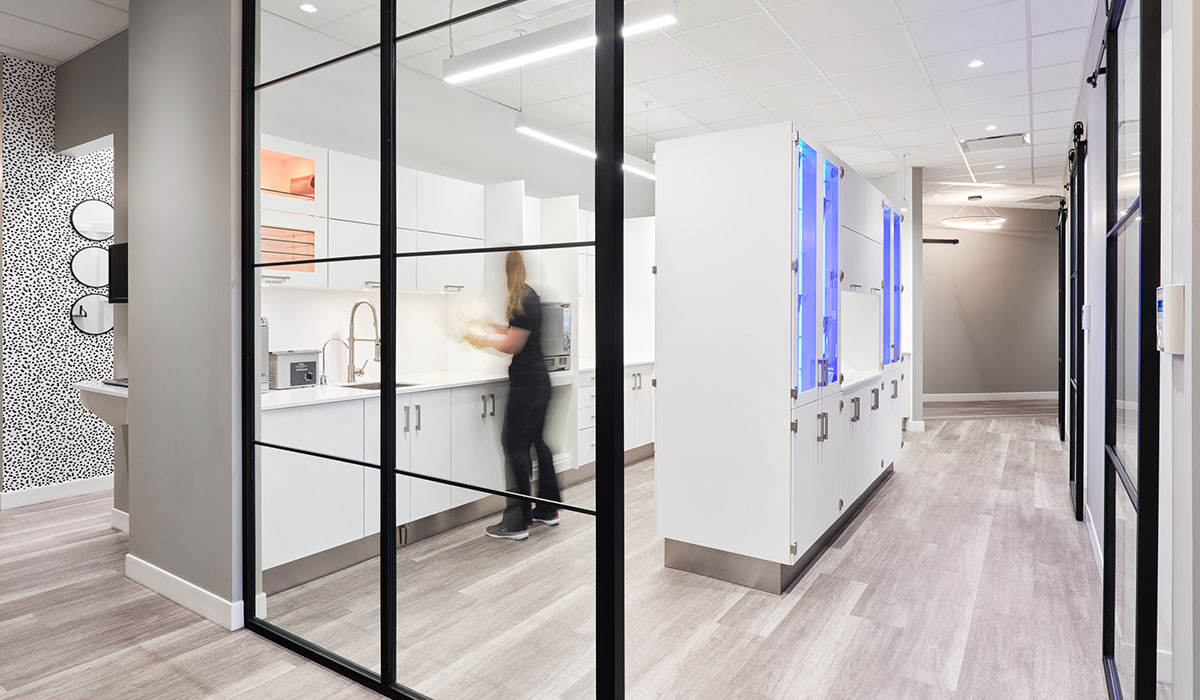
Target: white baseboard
(1001, 396)
(1094, 538)
(1165, 664)
(914, 426)
(120, 520)
(260, 605)
(54, 492)
(209, 605)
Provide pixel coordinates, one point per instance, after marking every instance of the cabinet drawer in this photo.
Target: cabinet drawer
(587, 396)
(587, 417)
(587, 378)
(587, 446)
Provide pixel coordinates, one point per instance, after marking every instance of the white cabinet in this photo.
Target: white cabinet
(892, 416)
(807, 430)
(461, 272)
(861, 261)
(639, 406)
(406, 198)
(371, 446)
(852, 212)
(587, 225)
(873, 217)
(639, 288)
(310, 504)
(831, 463)
(293, 177)
(347, 238)
(430, 452)
(296, 239)
(450, 206)
(353, 188)
(477, 457)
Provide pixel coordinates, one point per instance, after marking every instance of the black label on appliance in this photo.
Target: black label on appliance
(302, 373)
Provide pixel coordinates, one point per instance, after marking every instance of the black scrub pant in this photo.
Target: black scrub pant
(524, 419)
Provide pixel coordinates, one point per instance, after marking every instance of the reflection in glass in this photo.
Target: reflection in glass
(293, 36)
(831, 270)
(89, 266)
(1127, 283)
(1129, 161)
(808, 301)
(1126, 590)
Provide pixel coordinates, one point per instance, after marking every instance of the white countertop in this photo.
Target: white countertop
(422, 381)
(589, 364)
(99, 387)
(853, 380)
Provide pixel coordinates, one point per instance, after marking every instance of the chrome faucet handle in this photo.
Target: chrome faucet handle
(361, 370)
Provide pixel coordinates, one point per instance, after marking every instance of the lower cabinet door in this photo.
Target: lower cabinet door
(830, 461)
(477, 457)
(430, 439)
(805, 477)
(371, 447)
(860, 444)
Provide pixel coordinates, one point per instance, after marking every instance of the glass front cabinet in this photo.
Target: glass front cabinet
(817, 288)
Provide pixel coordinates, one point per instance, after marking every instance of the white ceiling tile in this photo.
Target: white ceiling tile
(1004, 125)
(122, 5)
(1050, 174)
(999, 155)
(913, 100)
(770, 70)
(681, 88)
(561, 112)
(722, 108)
(921, 156)
(860, 160)
(636, 98)
(1050, 120)
(569, 78)
(985, 88)
(920, 9)
(1055, 100)
(660, 120)
(891, 78)
(735, 40)
(510, 91)
(990, 109)
(655, 59)
(42, 40)
(785, 98)
(997, 58)
(919, 137)
(1059, 162)
(361, 28)
(1060, 136)
(841, 130)
(694, 14)
(1058, 77)
(744, 122)
(1055, 15)
(980, 26)
(822, 114)
(876, 48)
(682, 132)
(890, 123)
(812, 21)
(1050, 150)
(862, 144)
(83, 17)
(1060, 47)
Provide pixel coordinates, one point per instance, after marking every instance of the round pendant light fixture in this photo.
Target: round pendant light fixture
(986, 218)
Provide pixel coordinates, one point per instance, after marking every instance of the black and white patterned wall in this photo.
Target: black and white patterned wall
(48, 436)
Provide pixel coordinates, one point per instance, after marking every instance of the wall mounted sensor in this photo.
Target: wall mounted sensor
(1170, 318)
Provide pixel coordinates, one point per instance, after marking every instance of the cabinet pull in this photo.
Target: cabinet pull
(406, 419)
(895, 389)
(493, 396)
(853, 402)
(484, 400)
(275, 279)
(418, 416)
(453, 287)
(821, 427)
(372, 284)
(875, 399)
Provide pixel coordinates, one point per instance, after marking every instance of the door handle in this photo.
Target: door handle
(406, 419)
(453, 287)
(418, 416)
(493, 403)
(853, 402)
(895, 389)
(484, 400)
(820, 427)
(875, 399)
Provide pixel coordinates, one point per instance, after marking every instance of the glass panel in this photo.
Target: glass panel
(831, 271)
(1125, 611)
(808, 302)
(1129, 161)
(1128, 260)
(888, 296)
(897, 287)
(295, 35)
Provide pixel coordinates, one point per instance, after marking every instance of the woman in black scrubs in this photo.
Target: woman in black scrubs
(528, 398)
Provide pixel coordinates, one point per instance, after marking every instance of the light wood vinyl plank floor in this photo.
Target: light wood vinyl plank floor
(966, 577)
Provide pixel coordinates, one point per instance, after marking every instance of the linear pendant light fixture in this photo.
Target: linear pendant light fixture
(569, 142)
(561, 39)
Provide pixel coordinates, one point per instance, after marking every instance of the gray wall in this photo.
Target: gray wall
(991, 305)
(91, 102)
(183, 276)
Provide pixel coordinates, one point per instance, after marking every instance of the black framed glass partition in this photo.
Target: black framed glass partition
(1075, 385)
(410, 226)
(1133, 249)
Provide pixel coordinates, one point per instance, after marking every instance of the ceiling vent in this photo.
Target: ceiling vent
(992, 143)
(1051, 199)
(537, 9)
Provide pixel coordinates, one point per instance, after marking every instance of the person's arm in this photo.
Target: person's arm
(512, 343)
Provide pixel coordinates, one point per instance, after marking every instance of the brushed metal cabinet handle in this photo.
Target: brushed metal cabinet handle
(406, 419)
(857, 415)
(484, 400)
(493, 396)
(875, 399)
(418, 416)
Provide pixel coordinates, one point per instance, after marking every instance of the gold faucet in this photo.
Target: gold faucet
(353, 372)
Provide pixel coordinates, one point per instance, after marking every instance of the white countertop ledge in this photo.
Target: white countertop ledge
(853, 380)
(99, 387)
(423, 381)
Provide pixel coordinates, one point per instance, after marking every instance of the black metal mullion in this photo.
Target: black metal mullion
(1111, 84)
(387, 404)
(1079, 359)
(1062, 321)
(610, 439)
(249, 320)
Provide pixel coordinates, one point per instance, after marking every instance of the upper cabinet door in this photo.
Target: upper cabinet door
(353, 188)
(854, 196)
(448, 273)
(297, 240)
(873, 206)
(293, 176)
(406, 197)
(450, 206)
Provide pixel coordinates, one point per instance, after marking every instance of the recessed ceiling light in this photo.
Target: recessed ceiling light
(1001, 167)
(309, 8)
(990, 127)
(975, 64)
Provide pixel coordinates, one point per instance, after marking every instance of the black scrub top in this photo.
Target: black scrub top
(528, 366)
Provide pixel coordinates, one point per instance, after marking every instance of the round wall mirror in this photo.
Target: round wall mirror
(93, 220)
(90, 266)
(92, 314)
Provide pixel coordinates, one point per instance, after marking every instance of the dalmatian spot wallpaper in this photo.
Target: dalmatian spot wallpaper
(48, 436)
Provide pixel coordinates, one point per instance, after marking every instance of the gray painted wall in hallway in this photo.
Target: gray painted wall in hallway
(991, 305)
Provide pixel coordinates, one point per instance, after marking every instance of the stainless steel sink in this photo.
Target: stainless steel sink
(373, 386)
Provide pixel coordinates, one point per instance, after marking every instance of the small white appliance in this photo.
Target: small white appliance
(293, 369)
(556, 335)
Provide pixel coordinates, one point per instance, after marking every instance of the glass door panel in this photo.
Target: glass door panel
(831, 275)
(888, 300)
(896, 286)
(808, 301)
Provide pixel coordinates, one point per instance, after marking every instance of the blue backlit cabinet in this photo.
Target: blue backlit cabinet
(897, 286)
(830, 276)
(888, 299)
(807, 268)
